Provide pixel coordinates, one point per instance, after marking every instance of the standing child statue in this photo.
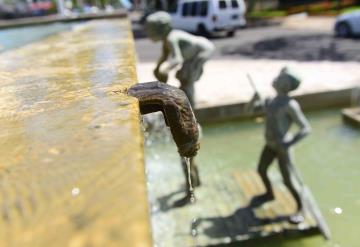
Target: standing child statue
(280, 113)
(180, 49)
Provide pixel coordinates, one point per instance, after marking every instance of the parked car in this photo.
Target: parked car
(209, 16)
(348, 25)
(6, 12)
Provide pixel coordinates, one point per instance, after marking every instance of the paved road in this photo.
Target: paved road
(274, 42)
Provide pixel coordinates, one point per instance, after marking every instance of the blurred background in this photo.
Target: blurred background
(255, 8)
(318, 38)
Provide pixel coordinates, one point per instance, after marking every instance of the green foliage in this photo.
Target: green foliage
(267, 14)
(350, 9)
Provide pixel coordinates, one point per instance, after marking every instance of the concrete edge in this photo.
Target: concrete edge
(253, 22)
(351, 116)
(308, 102)
(33, 21)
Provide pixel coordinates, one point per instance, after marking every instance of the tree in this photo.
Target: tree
(251, 5)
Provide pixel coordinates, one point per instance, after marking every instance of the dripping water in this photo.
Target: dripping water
(194, 220)
(191, 188)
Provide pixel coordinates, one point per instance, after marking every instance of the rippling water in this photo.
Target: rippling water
(16, 37)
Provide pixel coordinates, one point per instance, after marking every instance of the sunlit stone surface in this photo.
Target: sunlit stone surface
(71, 170)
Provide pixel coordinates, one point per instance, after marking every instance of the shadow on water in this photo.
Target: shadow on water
(265, 242)
(172, 200)
(242, 223)
(314, 47)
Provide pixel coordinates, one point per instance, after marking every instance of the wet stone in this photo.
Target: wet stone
(68, 141)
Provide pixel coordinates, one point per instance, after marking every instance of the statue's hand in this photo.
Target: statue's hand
(286, 145)
(256, 96)
(162, 77)
(253, 104)
(156, 72)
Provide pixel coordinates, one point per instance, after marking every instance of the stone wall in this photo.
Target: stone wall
(72, 170)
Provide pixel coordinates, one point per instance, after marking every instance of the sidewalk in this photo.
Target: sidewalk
(303, 21)
(225, 81)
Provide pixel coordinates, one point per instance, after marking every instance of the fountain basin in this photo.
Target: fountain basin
(352, 116)
(328, 160)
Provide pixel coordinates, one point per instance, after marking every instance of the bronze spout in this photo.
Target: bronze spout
(178, 114)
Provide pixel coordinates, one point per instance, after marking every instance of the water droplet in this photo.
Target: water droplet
(154, 209)
(227, 240)
(192, 198)
(338, 210)
(75, 191)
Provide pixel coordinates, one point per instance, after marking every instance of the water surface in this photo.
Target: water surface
(16, 37)
(328, 159)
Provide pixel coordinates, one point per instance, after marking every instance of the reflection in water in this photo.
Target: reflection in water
(16, 37)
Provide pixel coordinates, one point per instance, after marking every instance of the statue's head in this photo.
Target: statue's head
(286, 81)
(158, 25)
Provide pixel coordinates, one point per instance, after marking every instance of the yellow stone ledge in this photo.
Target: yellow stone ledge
(71, 167)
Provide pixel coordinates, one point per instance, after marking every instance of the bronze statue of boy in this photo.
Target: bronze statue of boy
(180, 50)
(187, 53)
(280, 113)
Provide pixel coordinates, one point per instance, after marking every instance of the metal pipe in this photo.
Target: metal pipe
(177, 111)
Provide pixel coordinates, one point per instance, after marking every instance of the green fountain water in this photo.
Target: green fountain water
(328, 160)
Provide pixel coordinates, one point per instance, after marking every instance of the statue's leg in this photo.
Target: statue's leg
(285, 163)
(267, 157)
(199, 62)
(189, 89)
(197, 66)
(185, 75)
(197, 69)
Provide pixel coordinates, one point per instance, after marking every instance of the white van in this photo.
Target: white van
(209, 16)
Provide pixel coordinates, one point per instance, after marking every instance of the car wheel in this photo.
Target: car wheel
(231, 33)
(202, 30)
(343, 30)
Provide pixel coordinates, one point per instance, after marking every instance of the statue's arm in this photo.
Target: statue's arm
(175, 57)
(160, 75)
(256, 103)
(163, 57)
(300, 120)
